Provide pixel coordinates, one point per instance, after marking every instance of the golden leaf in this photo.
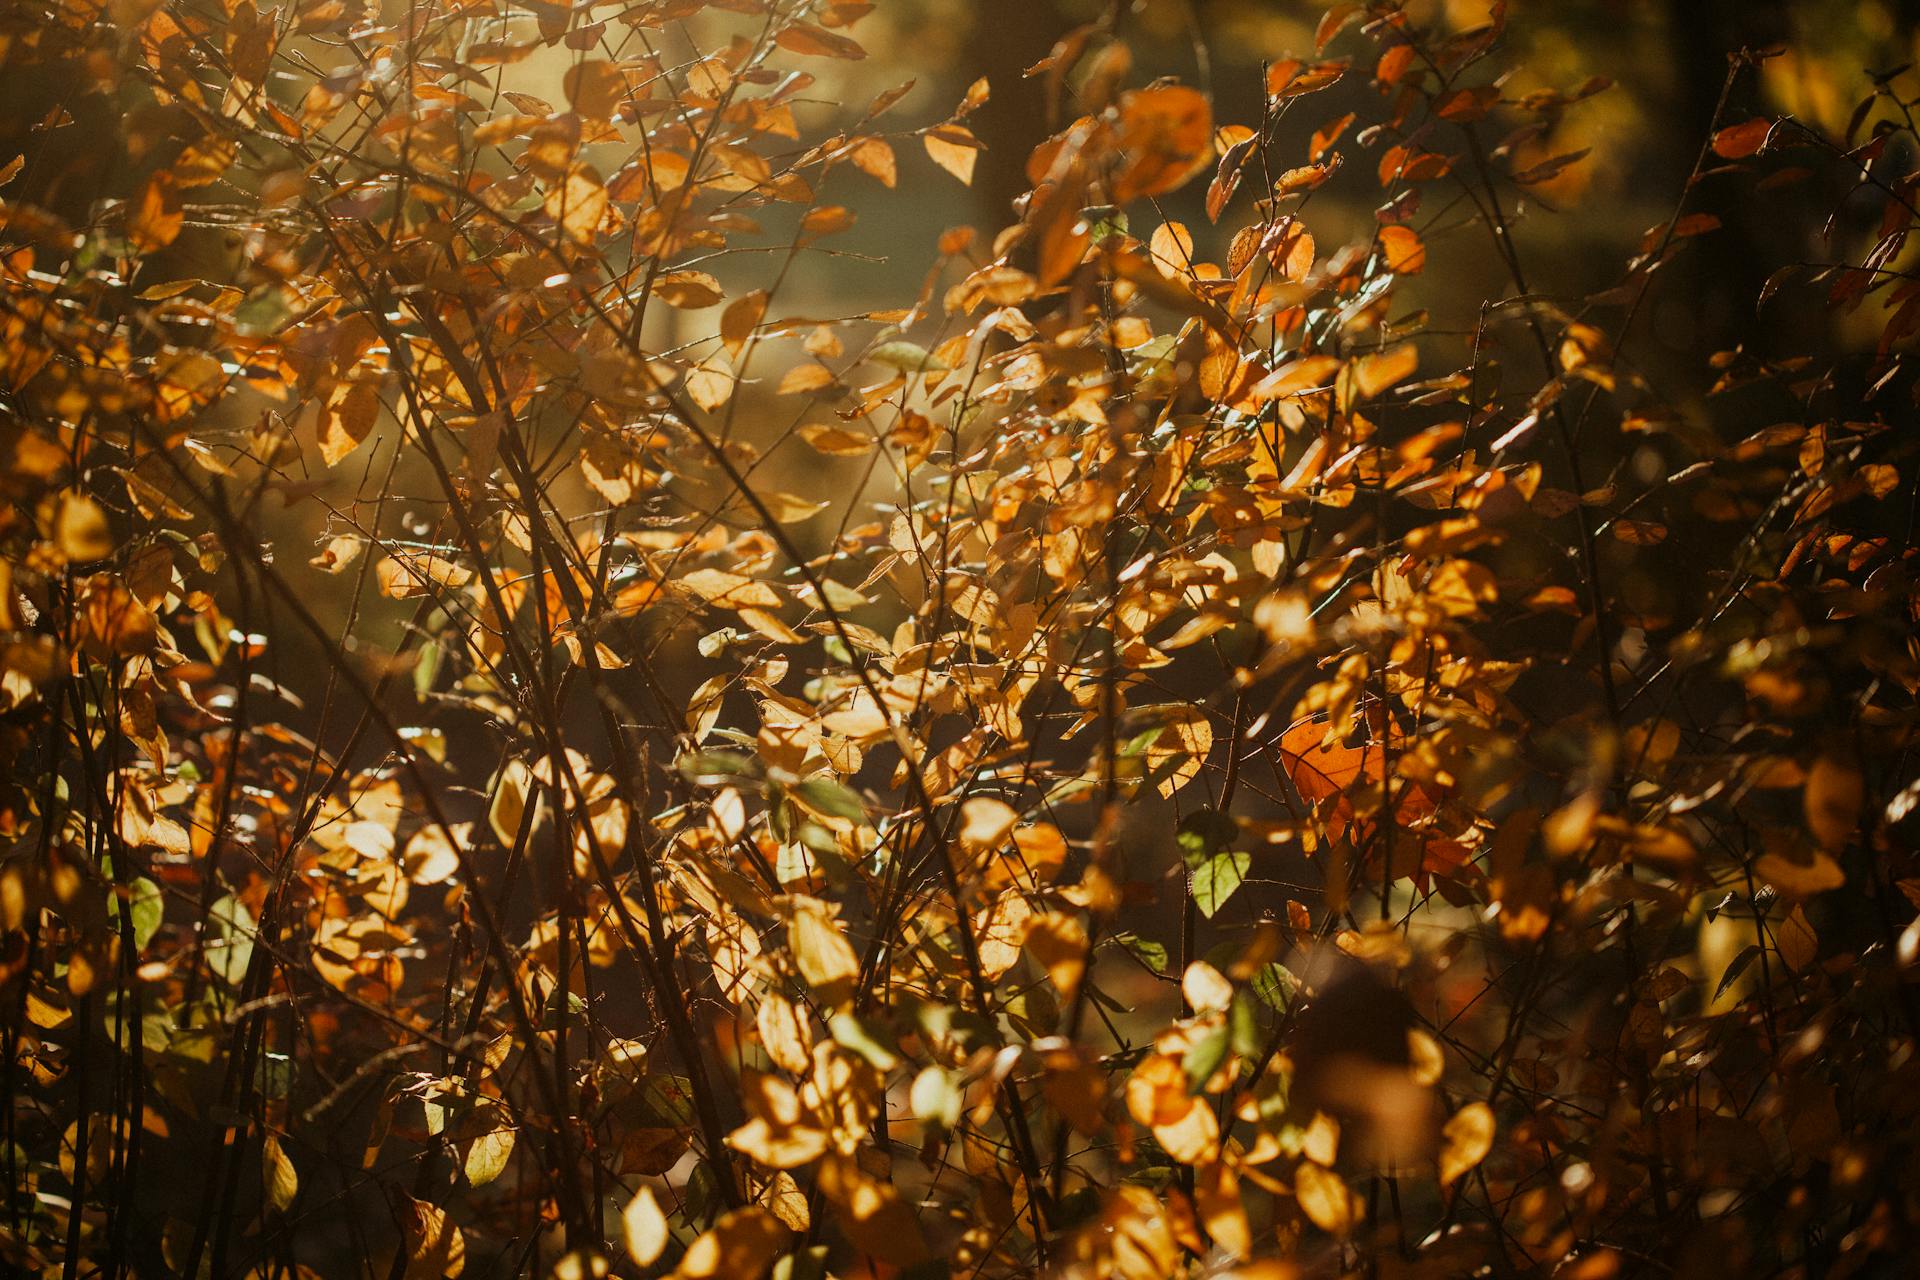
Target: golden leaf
(347, 416)
(741, 1246)
(1834, 795)
(954, 148)
(280, 1179)
(725, 590)
(80, 530)
(157, 215)
(1325, 1199)
(645, 1227)
(1059, 942)
(1466, 1140)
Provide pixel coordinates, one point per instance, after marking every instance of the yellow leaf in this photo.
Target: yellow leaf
(80, 529)
(784, 1032)
(837, 442)
(487, 1156)
(1216, 1196)
(1833, 799)
(645, 1227)
(741, 318)
(1375, 373)
(435, 1247)
(726, 590)
(1206, 988)
(741, 1246)
(1059, 942)
(824, 956)
(281, 1180)
(578, 204)
(596, 88)
(710, 384)
(1466, 1139)
(985, 824)
(1324, 1198)
(688, 290)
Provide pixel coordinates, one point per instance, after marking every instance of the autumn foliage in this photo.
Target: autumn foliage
(1184, 749)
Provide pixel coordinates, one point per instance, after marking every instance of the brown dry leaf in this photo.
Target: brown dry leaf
(1795, 939)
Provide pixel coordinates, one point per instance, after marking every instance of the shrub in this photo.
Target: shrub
(1187, 749)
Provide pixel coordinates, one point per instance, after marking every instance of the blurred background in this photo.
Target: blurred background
(1667, 60)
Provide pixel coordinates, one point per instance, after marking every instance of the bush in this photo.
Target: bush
(1187, 749)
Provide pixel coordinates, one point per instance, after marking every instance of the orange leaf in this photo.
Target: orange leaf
(1167, 135)
(955, 149)
(805, 38)
(157, 216)
(1737, 141)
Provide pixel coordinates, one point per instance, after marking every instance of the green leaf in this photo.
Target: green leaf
(1214, 870)
(862, 1036)
(827, 796)
(1276, 985)
(487, 1156)
(907, 357)
(230, 950)
(716, 768)
(1218, 879)
(147, 906)
(935, 1099)
(1149, 953)
(426, 665)
(1204, 1057)
(1739, 966)
(1243, 1027)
